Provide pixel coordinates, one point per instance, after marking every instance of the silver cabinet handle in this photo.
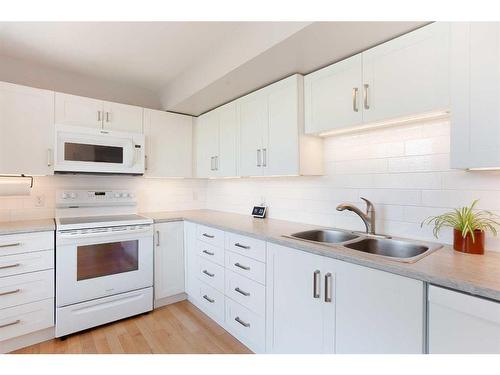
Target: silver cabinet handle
(355, 99)
(11, 244)
(10, 292)
(259, 161)
(49, 157)
(237, 244)
(99, 116)
(243, 323)
(157, 238)
(208, 299)
(366, 99)
(316, 277)
(246, 294)
(328, 287)
(211, 163)
(107, 116)
(264, 157)
(242, 266)
(207, 235)
(11, 323)
(208, 252)
(145, 162)
(10, 266)
(216, 163)
(208, 273)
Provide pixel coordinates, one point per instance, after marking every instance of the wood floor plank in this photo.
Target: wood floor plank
(180, 328)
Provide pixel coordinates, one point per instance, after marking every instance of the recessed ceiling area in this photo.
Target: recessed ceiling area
(192, 67)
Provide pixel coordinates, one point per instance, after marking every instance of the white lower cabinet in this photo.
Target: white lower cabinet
(246, 326)
(460, 323)
(169, 259)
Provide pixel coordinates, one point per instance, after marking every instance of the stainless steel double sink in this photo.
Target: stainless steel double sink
(407, 251)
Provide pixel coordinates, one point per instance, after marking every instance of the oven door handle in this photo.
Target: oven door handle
(69, 235)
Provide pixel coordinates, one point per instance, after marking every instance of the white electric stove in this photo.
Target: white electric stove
(104, 259)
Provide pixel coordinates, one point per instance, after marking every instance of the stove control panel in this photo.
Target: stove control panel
(94, 197)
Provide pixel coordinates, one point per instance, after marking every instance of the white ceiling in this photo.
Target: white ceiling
(193, 66)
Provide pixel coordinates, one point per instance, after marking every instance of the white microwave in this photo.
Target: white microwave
(97, 151)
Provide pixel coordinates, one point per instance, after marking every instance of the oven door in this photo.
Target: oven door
(88, 150)
(98, 263)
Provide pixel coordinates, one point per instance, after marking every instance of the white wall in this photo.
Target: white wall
(404, 171)
(152, 194)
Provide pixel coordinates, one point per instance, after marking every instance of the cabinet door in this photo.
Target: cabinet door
(79, 111)
(295, 317)
(252, 112)
(407, 75)
(475, 95)
(333, 96)
(228, 136)
(168, 144)
(122, 117)
(207, 144)
(190, 258)
(281, 135)
(462, 324)
(26, 130)
(377, 312)
(169, 259)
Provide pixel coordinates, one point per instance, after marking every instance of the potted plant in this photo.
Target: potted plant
(468, 226)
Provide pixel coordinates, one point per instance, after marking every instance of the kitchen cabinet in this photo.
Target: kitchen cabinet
(333, 96)
(168, 144)
(406, 76)
(216, 142)
(272, 139)
(475, 95)
(169, 260)
(26, 130)
(462, 324)
(81, 111)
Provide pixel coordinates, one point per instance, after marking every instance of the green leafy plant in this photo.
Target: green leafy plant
(465, 220)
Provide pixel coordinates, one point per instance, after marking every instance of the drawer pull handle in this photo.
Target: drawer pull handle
(11, 244)
(208, 273)
(243, 323)
(242, 266)
(10, 266)
(10, 324)
(208, 235)
(209, 299)
(237, 244)
(10, 292)
(208, 252)
(246, 294)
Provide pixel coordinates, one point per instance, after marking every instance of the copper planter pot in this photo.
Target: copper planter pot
(466, 245)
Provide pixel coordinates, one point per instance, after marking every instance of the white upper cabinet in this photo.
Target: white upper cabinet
(168, 144)
(26, 130)
(475, 95)
(272, 140)
(403, 77)
(333, 96)
(81, 111)
(228, 141)
(122, 117)
(206, 144)
(407, 75)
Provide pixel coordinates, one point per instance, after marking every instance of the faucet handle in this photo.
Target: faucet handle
(369, 205)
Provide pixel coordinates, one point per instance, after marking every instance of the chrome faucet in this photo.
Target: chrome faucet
(368, 217)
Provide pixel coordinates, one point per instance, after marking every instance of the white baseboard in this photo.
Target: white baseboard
(169, 300)
(33, 338)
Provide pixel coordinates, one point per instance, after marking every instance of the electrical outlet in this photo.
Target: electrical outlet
(39, 200)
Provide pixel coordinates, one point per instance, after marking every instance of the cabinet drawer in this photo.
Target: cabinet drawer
(26, 288)
(210, 301)
(245, 266)
(247, 292)
(26, 242)
(23, 319)
(247, 326)
(22, 263)
(210, 252)
(211, 236)
(211, 273)
(247, 246)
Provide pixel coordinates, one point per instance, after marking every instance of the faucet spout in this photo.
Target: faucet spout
(368, 217)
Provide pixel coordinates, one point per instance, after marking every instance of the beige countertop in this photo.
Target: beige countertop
(474, 274)
(26, 226)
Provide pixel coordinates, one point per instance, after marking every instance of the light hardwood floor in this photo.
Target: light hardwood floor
(179, 328)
